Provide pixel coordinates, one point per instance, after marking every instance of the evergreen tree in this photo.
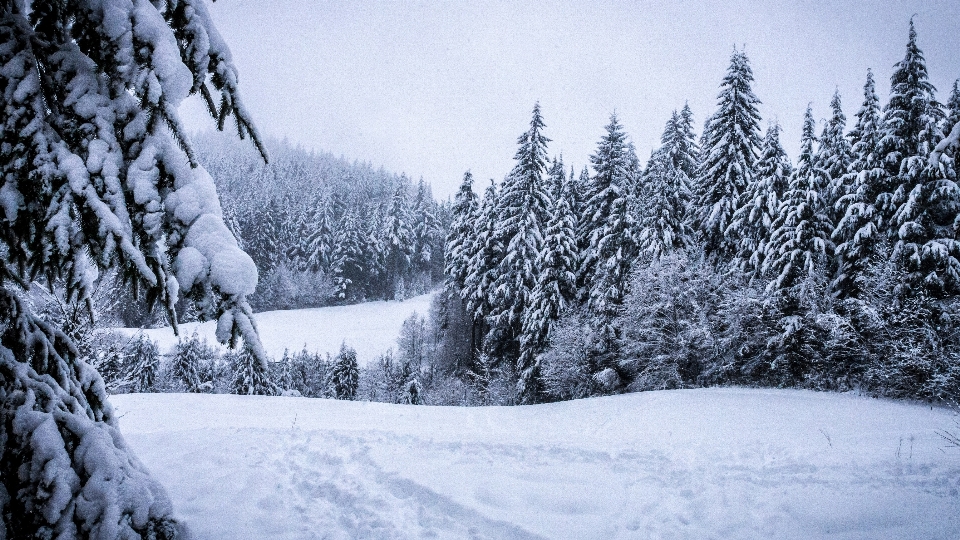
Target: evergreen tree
(952, 118)
(753, 221)
(460, 236)
(679, 142)
(555, 287)
(523, 208)
(731, 142)
(910, 130)
(486, 254)
(250, 377)
(145, 363)
(666, 193)
(425, 228)
(187, 363)
(835, 156)
(608, 231)
(398, 240)
(346, 262)
(926, 198)
(859, 231)
(320, 242)
(800, 242)
(346, 373)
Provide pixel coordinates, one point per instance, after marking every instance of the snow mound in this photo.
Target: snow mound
(711, 463)
(371, 328)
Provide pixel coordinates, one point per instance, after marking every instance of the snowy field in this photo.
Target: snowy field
(371, 328)
(713, 463)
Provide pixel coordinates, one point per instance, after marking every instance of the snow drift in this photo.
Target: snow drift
(711, 463)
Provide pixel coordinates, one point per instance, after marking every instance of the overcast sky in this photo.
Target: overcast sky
(435, 88)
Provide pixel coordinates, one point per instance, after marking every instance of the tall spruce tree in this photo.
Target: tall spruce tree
(346, 373)
(425, 228)
(800, 243)
(608, 231)
(664, 199)
(555, 288)
(753, 221)
(321, 239)
(925, 201)
(346, 260)
(952, 118)
(486, 253)
(523, 212)
(460, 236)
(835, 156)
(859, 231)
(398, 240)
(97, 172)
(730, 147)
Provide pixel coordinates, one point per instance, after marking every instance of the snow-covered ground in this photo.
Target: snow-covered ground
(712, 463)
(371, 328)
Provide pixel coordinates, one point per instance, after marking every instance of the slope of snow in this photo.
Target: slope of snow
(711, 463)
(371, 328)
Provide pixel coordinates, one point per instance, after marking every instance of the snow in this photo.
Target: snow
(709, 463)
(371, 328)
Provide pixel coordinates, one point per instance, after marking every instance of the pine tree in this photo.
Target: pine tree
(460, 236)
(859, 230)
(487, 252)
(666, 193)
(800, 242)
(835, 156)
(555, 287)
(608, 231)
(345, 265)
(145, 362)
(911, 130)
(398, 240)
(753, 221)
(927, 198)
(952, 117)
(425, 229)
(321, 239)
(346, 373)
(251, 377)
(187, 362)
(523, 207)
(731, 142)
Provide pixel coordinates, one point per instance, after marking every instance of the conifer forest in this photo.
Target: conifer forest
(717, 258)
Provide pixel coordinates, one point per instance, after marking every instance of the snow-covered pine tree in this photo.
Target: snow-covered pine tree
(835, 155)
(952, 118)
(555, 288)
(425, 228)
(679, 142)
(910, 130)
(486, 253)
(188, 358)
(730, 147)
(753, 221)
(666, 195)
(523, 212)
(608, 231)
(347, 256)
(322, 238)
(346, 374)
(460, 236)
(859, 230)
(800, 240)
(144, 362)
(251, 377)
(927, 197)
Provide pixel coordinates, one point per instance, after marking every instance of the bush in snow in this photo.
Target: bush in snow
(189, 360)
(346, 375)
(566, 367)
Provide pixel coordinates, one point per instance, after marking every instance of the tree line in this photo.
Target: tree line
(719, 260)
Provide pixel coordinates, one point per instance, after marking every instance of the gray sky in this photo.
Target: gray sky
(436, 88)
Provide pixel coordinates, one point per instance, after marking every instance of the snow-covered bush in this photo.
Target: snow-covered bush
(566, 367)
(190, 359)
